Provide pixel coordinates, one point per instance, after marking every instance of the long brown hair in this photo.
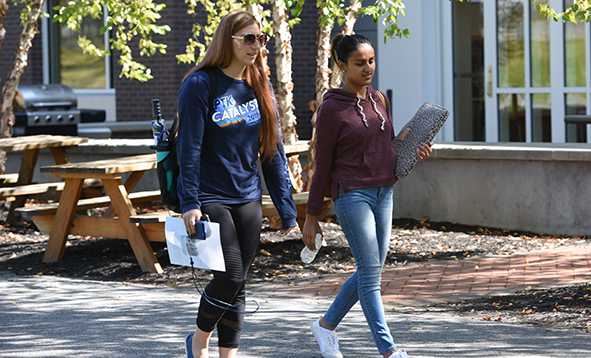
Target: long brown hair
(219, 54)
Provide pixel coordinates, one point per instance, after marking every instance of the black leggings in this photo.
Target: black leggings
(240, 232)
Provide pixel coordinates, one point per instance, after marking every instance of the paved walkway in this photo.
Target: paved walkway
(48, 316)
(469, 278)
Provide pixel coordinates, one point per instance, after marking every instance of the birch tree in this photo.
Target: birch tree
(334, 10)
(31, 14)
(283, 65)
(329, 10)
(348, 25)
(3, 8)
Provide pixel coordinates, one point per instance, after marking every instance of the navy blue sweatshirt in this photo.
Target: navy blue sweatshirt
(218, 149)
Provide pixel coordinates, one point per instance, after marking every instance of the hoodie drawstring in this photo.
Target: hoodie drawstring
(375, 108)
(362, 114)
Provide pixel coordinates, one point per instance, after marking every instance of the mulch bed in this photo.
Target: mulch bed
(22, 248)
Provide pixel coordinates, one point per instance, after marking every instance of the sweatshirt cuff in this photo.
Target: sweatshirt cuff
(312, 210)
(191, 207)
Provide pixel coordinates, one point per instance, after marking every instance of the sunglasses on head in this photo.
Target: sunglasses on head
(249, 39)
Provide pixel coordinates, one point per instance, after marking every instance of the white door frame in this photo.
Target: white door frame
(491, 122)
(557, 89)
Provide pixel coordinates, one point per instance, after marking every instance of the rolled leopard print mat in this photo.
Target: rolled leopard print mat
(422, 128)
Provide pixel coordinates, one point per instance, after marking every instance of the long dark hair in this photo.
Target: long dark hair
(342, 46)
(219, 54)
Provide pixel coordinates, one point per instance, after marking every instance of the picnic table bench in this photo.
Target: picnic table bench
(18, 187)
(154, 221)
(48, 190)
(7, 179)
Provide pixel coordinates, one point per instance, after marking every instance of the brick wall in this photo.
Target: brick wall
(33, 73)
(133, 97)
(304, 67)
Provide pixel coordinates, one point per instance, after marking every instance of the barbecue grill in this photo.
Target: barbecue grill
(50, 109)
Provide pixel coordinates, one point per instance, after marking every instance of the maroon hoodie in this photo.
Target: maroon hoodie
(353, 145)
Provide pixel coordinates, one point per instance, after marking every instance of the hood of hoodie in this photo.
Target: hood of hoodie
(361, 106)
(344, 96)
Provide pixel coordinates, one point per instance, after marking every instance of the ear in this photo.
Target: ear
(342, 66)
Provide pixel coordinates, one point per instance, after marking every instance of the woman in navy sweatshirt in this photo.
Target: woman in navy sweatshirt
(354, 147)
(218, 150)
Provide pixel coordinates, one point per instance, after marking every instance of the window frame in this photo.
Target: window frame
(50, 53)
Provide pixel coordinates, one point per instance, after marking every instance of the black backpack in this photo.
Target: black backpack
(167, 169)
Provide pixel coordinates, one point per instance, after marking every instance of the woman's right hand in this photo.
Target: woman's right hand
(311, 228)
(190, 218)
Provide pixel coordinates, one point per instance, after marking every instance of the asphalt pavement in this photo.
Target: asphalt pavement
(48, 316)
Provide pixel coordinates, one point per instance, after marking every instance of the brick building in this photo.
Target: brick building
(129, 100)
(488, 62)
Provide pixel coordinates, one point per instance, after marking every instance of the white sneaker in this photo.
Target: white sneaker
(399, 354)
(329, 343)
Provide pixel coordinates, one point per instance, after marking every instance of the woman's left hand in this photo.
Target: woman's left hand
(424, 150)
(287, 230)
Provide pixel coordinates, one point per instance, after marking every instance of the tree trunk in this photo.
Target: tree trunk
(322, 85)
(322, 70)
(350, 20)
(3, 8)
(283, 63)
(20, 62)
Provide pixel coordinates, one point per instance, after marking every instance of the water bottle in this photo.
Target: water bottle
(308, 255)
(158, 125)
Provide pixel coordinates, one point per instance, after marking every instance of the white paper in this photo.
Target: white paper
(209, 251)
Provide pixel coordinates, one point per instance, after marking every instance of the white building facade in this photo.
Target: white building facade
(505, 73)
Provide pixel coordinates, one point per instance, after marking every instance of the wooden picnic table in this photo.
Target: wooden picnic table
(31, 146)
(110, 173)
(61, 220)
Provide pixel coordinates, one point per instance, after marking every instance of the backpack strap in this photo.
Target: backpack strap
(383, 99)
(213, 85)
(213, 89)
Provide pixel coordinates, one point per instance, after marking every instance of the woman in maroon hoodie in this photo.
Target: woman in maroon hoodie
(354, 148)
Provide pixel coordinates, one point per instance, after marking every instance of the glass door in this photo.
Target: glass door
(468, 64)
(576, 83)
(518, 97)
(519, 77)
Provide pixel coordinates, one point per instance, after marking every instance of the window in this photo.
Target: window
(68, 65)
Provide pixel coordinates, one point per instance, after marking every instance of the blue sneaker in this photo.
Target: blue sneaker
(189, 345)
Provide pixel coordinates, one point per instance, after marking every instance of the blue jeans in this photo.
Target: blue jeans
(365, 216)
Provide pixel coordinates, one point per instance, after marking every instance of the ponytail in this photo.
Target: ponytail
(343, 45)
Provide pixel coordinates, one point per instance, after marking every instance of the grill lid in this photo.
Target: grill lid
(43, 97)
